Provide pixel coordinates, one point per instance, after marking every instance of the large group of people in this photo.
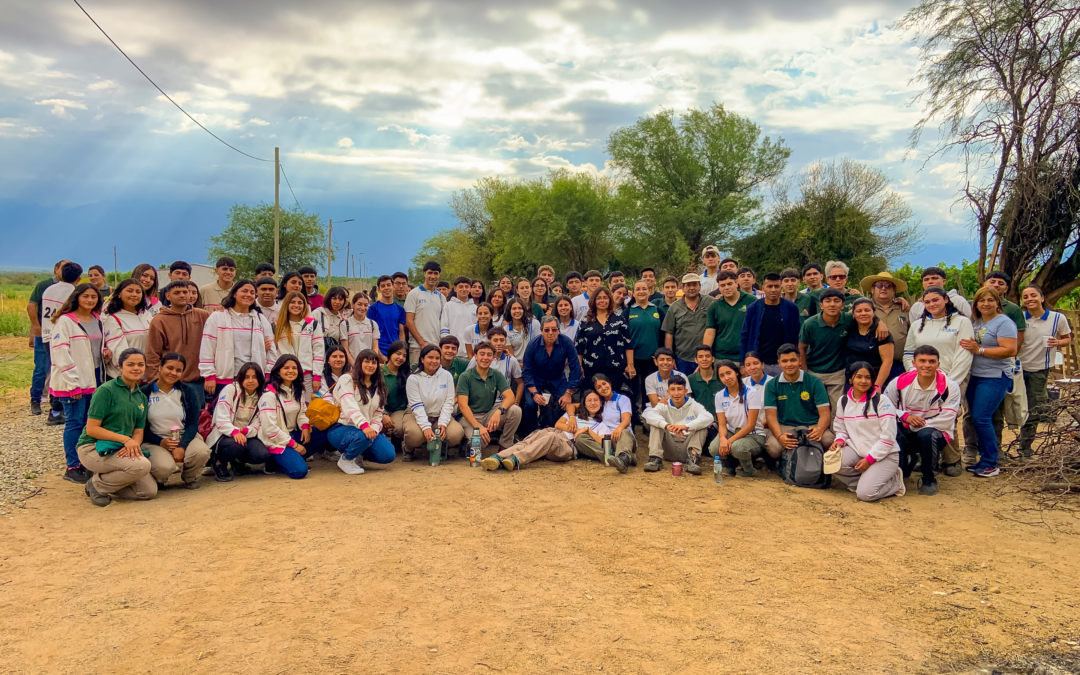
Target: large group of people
(264, 374)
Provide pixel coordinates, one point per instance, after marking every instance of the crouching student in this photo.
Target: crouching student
(360, 395)
(679, 429)
(235, 436)
(927, 402)
(557, 444)
(111, 444)
(173, 408)
(795, 398)
(430, 392)
(865, 429)
(486, 401)
(739, 418)
(283, 426)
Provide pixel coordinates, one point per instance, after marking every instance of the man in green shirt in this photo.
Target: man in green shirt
(821, 343)
(685, 322)
(42, 360)
(401, 288)
(669, 296)
(795, 399)
(723, 324)
(789, 290)
(704, 386)
(478, 391)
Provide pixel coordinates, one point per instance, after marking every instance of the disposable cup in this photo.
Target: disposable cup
(676, 468)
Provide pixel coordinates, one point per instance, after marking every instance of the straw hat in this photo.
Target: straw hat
(867, 284)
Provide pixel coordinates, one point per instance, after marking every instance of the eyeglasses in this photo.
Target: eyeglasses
(549, 330)
(838, 276)
(883, 285)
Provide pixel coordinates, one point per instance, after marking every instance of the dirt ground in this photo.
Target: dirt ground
(555, 569)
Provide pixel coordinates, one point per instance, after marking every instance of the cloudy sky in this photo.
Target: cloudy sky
(382, 109)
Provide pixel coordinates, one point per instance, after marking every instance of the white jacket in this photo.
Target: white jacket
(959, 302)
(217, 352)
(692, 414)
(431, 396)
(872, 437)
(354, 412)
(457, 319)
(331, 324)
(273, 425)
(360, 335)
(72, 369)
(308, 347)
(124, 330)
(232, 409)
(954, 360)
(938, 405)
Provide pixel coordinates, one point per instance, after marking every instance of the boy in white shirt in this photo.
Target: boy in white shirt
(423, 312)
(679, 429)
(656, 384)
(56, 295)
(459, 315)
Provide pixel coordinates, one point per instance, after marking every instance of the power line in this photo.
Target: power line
(282, 167)
(163, 91)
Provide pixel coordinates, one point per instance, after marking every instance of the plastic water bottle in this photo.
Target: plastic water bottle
(474, 448)
(717, 470)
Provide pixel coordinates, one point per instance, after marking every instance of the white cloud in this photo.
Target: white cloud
(345, 142)
(60, 107)
(102, 85)
(16, 128)
(417, 138)
(258, 122)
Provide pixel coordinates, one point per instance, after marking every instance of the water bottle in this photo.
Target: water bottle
(717, 470)
(474, 448)
(435, 450)
(607, 449)
(175, 433)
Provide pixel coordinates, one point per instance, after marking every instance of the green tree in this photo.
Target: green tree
(691, 183)
(456, 252)
(249, 238)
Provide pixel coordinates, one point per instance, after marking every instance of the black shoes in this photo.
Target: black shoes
(621, 462)
(56, 420)
(654, 464)
(77, 475)
(35, 407)
(96, 498)
(222, 473)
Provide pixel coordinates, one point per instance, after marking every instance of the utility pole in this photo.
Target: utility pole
(348, 245)
(329, 251)
(277, 213)
(116, 270)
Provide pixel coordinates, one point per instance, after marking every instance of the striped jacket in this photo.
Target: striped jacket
(73, 372)
(231, 410)
(223, 330)
(124, 330)
(308, 346)
(354, 412)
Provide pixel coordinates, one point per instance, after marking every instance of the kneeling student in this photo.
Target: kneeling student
(235, 436)
(558, 444)
(173, 405)
(360, 395)
(926, 401)
(680, 429)
(486, 400)
(283, 424)
(795, 398)
(865, 428)
(739, 418)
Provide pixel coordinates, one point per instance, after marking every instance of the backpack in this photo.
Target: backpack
(806, 465)
(329, 343)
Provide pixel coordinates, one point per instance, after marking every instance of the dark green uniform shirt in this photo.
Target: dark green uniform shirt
(796, 403)
(119, 409)
(395, 398)
(482, 392)
(1013, 311)
(644, 329)
(727, 320)
(824, 343)
(457, 367)
(705, 392)
(808, 306)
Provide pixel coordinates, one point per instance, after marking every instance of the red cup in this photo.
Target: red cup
(676, 468)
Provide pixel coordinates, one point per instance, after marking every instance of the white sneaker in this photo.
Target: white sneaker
(350, 466)
(903, 488)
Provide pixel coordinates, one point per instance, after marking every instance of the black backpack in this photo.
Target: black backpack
(329, 343)
(806, 466)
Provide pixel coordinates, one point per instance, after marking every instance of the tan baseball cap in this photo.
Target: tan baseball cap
(691, 278)
(832, 460)
(710, 249)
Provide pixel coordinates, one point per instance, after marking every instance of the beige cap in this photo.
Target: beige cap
(832, 460)
(710, 249)
(691, 278)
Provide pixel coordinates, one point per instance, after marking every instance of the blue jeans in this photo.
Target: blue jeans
(352, 443)
(984, 395)
(42, 363)
(292, 463)
(75, 412)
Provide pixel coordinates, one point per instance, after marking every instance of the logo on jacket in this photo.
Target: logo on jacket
(805, 396)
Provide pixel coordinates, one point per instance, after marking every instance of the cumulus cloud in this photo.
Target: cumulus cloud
(60, 106)
(345, 142)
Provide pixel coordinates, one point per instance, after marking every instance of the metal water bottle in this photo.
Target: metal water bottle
(475, 448)
(717, 470)
(434, 447)
(607, 449)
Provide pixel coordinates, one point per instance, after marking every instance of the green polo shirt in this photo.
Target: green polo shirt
(39, 290)
(538, 311)
(119, 409)
(705, 392)
(399, 301)
(686, 327)
(808, 306)
(727, 320)
(395, 398)
(482, 392)
(824, 343)
(644, 329)
(457, 367)
(796, 403)
(1013, 311)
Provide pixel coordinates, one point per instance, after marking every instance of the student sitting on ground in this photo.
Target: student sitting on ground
(740, 421)
(283, 425)
(359, 394)
(486, 401)
(678, 432)
(558, 444)
(431, 399)
(865, 428)
(656, 384)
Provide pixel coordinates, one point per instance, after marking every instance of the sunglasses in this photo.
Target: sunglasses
(838, 276)
(883, 285)
(550, 330)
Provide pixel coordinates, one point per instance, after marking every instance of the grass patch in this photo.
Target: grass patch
(13, 319)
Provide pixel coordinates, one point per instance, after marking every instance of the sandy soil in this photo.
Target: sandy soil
(555, 569)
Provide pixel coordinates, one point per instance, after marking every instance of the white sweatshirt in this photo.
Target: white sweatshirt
(307, 345)
(431, 396)
(330, 323)
(872, 437)
(72, 369)
(955, 361)
(235, 412)
(457, 319)
(692, 414)
(278, 415)
(938, 405)
(354, 412)
(124, 330)
(360, 335)
(958, 301)
(227, 332)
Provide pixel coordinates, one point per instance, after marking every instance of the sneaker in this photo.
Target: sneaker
(96, 498)
(621, 462)
(208, 471)
(654, 464)
(953, 470)
(193, 485)
(987, 472)
(743, 473)
(406, 455)
(350, 466)
(491, 463)
(972, 468)
(56, 420)
(222, 473)
(35, 407)
(903, 487)
(693, 468)
(77, 475)
(332, 455)
(928, 489)
(511, 463)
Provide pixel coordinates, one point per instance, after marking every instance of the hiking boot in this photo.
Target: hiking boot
(745, 473)
(928, 489)
(192, 485)
(222, 473)
(970, 457)
(987, 472)
(654, 464)
(35, 407)
(621, 462)
(56, 420)
(511, 463)
(77, 475)
(491, 463)
(406, 455)
(693, 467)
(353, 467)
(953, 470)
(96, 498)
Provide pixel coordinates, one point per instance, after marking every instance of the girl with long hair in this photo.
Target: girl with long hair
(603, 342)
(740, 421)
(147, 277)
(865, 428)
(431, 395)
(298, 334)
(863, 344)
(564, 312)
(395, 375)
(520, 327)
(359, 331)
(335, 309)
(337, 364)
(236, 335)
(540, 297)
(283, 425)
(523, 291)
(498, 299)
(292, 282)
(126, 320)
(1046, 332)
(360, 394)
(477, 294)
(478, 333)
(173, 406)
(506, 284)
(235, 436)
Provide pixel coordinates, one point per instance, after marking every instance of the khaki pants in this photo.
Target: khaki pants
(398, 418)
(773, 447)
(124, 477)
(508, 425)
(672, 448)
(414, 351)
(414, 435)
(743, 451)
(550, 443)
(627, 443)
(883, 478)
(834, 385)
(162, 464)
